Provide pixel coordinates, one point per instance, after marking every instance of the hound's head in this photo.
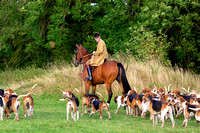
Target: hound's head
(124, 99)
(146, 90)
(180, 100)
(132, 92)
(67, 93)
(10, 92)
(160, 90)
(147, 97)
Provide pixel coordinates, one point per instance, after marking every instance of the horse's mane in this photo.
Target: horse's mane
(84, 48)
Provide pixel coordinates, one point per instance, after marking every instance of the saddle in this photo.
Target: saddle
(93, 67)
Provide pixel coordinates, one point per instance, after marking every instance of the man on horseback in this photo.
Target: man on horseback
(98, 57)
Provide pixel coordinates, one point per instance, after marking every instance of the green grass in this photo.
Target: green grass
(50, 113)
(50, 116)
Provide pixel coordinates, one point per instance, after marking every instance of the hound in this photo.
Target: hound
(99, 106)
(10, 92)
(1, 103)
(188, 110)
(181, 99)
(72, 104)
(86, 101)
(156, 107)
(118, 100)
(132, 92)
(133, 101)
(196, 109)
(146, 90)
(28, 105)
(144, 107)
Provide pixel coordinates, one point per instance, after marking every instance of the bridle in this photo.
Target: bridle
(79, 61)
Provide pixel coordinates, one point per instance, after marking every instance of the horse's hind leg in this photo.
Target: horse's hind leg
(108, 88)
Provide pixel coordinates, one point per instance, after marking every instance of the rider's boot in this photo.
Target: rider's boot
(89, 73)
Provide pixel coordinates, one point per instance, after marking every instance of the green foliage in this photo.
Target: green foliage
(113, 25)
(40, 32)
(145, 45)
(179, 20)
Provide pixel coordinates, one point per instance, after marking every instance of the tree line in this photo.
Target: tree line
(39, 32)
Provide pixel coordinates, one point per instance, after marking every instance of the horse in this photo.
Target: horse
(106, 73)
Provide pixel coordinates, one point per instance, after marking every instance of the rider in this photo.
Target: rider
(98, 57)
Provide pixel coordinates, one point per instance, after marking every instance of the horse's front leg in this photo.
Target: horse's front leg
(87, 88)
(108, 88)
(93, 89)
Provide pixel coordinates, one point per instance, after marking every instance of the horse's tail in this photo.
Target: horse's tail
(122, 75)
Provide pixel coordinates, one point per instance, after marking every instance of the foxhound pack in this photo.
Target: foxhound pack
(13, 103)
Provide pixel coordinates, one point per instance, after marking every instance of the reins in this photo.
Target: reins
(81, 70)
(81, 73)
(84, 57)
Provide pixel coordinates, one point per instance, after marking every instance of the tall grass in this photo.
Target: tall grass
(66, 76)
(50, 113)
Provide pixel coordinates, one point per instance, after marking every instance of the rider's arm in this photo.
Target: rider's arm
(99, 48)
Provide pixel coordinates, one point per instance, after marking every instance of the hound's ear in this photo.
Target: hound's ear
(77, 46)
(70, 93)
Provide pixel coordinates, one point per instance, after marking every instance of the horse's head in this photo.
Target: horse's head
(82, 55)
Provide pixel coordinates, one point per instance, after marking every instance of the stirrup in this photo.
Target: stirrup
(89, 78)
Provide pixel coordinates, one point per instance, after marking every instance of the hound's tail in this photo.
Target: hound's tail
(101, 96)
(28, 92)
(194, 107)
(80, 92)
(135, 89)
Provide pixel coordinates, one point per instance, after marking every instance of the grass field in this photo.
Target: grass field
(50, 116)
(50, 113)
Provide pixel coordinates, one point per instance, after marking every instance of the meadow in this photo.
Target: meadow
(50, 113)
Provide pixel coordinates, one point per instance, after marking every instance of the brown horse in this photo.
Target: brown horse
(106, 73)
